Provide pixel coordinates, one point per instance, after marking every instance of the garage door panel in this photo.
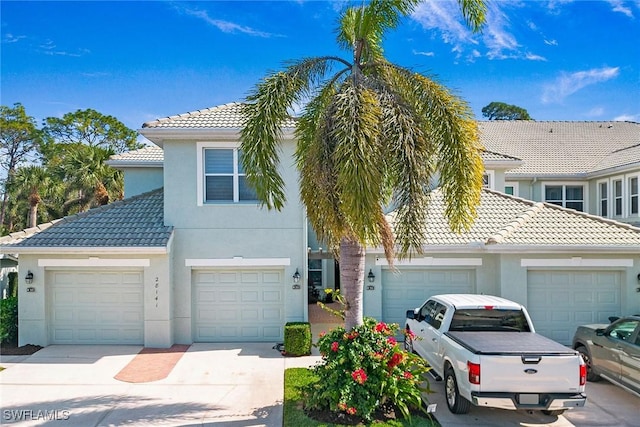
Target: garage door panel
(411, 287)
(245, 305)
(560, 301)
(249, 296)
(96, 307)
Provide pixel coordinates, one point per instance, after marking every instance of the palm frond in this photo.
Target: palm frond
(267, 109)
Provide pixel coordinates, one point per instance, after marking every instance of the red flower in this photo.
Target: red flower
(359, 376)
(408, 375)
(322, 334)
(382, 327)
(350, 335)
(351, 411)
(334, 346)
(342, 406)
(392, 340)
(395, 360)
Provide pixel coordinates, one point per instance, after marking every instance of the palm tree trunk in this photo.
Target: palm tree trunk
(352, 281)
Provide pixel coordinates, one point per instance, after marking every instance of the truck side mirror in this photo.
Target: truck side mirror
(411, 314)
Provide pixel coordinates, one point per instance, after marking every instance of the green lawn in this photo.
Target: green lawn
(295, 378)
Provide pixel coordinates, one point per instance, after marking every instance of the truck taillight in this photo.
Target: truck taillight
(583, 374)
(474, 372)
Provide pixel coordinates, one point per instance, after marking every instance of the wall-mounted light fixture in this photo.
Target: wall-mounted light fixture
(371, 276)
(296, 276)
(29, 277)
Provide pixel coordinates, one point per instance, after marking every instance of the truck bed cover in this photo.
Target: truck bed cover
(501, 343)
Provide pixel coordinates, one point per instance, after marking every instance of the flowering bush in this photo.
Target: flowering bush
(364, 369)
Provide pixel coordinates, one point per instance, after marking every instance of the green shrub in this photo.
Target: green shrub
(9, 320)
(297, 338)
(364, 369)
(12, 289)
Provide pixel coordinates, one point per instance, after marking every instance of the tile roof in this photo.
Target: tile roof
(227, 116)
(577, 147)
(147, 155)
(134, 222)
(512, 221)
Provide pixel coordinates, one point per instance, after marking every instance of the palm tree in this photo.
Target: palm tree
(32, 183)
(90, 182)
(371, 134)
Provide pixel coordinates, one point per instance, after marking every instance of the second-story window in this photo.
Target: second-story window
(224, 177)
(569, 196)
(633, 195)
(604, 199)
(617, 197)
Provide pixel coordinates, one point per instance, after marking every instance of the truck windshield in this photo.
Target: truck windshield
(489, 320)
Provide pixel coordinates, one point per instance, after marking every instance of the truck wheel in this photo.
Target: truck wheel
(408, 342)
(554, 412)
(591, 376)
(456, 403)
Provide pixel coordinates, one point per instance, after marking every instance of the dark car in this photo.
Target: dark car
(612, 351)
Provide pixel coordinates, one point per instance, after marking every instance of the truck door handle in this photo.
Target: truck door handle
(434, 340)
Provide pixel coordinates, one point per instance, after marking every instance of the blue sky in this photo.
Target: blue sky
(138, 61)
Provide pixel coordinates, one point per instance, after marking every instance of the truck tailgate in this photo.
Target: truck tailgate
(522, 362)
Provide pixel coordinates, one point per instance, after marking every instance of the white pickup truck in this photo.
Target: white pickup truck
(488, 353)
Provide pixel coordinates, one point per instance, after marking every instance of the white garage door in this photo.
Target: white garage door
(96, 307)
(409, 288)
(560, 301)
(246, 305)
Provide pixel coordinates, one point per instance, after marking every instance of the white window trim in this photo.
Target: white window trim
(628, 194)
(93, 262)
(237, 262)
(515, 185)
(599, 197)
(612, 203)
(576, 262)
(491, 178)
(564, 184)
(431, 261)
(200, 188)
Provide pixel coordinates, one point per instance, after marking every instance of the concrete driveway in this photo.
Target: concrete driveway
(218, 385)
(607, 405)
(212, 384)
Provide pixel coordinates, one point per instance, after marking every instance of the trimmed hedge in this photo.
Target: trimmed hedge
(297, 338)
(9, 320)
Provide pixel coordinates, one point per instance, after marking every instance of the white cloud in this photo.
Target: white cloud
(567, 84)
(443, 16)
(628, 118)
(10, 38)
(551, 42)
(224, 26)
(595, 112)
(416, 52)
(533, 57)
(50, 48)
(621, 6)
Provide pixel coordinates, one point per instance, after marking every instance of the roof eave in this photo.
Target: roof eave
(77, 250)
(614, 170)
(123, 164)
(160, 135)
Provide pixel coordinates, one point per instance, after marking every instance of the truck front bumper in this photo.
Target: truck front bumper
(533, 401)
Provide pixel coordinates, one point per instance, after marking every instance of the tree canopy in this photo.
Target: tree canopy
(66, 173)
(91, 128)
(502, 111)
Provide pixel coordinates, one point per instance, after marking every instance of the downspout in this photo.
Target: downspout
(533, 181)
